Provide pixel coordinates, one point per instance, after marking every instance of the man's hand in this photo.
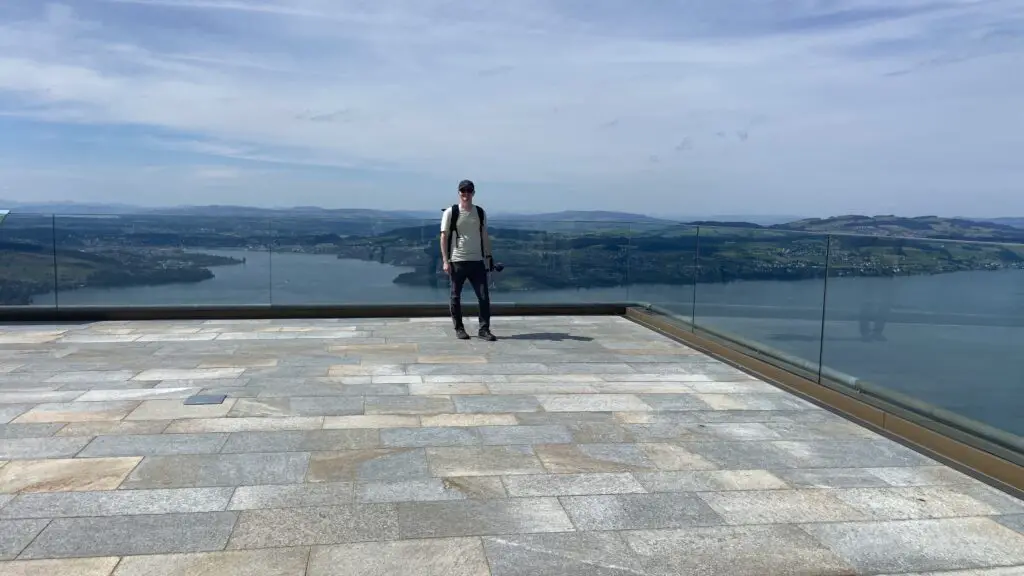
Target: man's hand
(447, 268)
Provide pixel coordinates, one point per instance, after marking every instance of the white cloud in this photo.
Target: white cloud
(740, 105)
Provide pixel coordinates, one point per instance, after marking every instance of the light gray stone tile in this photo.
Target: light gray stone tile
(734, 550)
(582, 554)
(67, 567)
(297, 406)
(409, 405)
(46, 447)
(744, 455)
(117, 503)
(482, 517)
(442, 557)
(15, 535)
(849, 454)
(638, 511)
(97, 376)
(363, 421)
(13, 431)
(423, 437)
(368, 465)
(469, 420)
(301, 441)
(271, 562)
(483, 461)
(921, 545)
(754, 402)
(426, 490)
(176, 409)
(188, 374)
(190, 471)
(317, 525)
(137, 394)
(592, 403)
(913, 503)
(781, 507)
(130, 535)
(37, 396)
(710, 481)
(153, 445)
(830, 478)
(565, 418)
(496, 404)
(1000, 501)
(673, 402)
(1013, 521)
(291, 495)
(571, 484)
(584, 458)
(919, 476)
(507, 435)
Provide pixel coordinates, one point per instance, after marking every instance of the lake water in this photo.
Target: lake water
(955, 340)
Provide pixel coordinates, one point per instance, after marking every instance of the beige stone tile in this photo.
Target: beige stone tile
(238, 362)
(270, 562)
(189, 373)
(77, 412)
(70, 567)
(445, 389)
(366, 370)
(139, 394)
(120, 428)
(467, 420)
(451, 360)
(365, 349)
(672, 457)
(371, 421)
(781, 507)
(176, 409)
(199, 425)
(65, 474)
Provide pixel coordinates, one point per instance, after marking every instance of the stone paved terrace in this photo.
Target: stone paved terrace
(387, 447)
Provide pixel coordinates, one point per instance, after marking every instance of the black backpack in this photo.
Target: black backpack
(453, 227)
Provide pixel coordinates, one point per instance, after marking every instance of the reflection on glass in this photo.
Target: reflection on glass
(939, 321)
(765, 286)
(162, 260)
(26, 261)
(661, 268)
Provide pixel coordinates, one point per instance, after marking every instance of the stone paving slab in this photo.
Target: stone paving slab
(386, 446)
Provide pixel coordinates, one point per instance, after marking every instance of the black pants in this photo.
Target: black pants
(476, 273)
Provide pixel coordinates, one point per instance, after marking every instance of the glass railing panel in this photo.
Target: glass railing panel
(565, 262)
(126, 260)
(938, 321)
(357, 261)
(765, 287)
(26, 261)
(662, 263)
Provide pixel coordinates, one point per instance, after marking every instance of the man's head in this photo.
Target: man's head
(466, 190)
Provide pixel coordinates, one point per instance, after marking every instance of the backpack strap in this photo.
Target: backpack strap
(482, 216)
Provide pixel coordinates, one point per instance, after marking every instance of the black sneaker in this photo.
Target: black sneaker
(460, 333)
(486, 335)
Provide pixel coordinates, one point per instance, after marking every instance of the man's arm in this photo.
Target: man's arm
(445, 220)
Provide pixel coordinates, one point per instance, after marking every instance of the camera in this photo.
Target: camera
(498, 267)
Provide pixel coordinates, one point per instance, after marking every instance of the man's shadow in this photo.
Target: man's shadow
(552, 336)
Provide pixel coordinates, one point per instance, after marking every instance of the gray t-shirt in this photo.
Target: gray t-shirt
(465, 244)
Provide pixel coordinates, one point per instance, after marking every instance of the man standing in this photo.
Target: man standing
(466, 254)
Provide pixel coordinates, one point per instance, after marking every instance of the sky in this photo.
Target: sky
(661, 107)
